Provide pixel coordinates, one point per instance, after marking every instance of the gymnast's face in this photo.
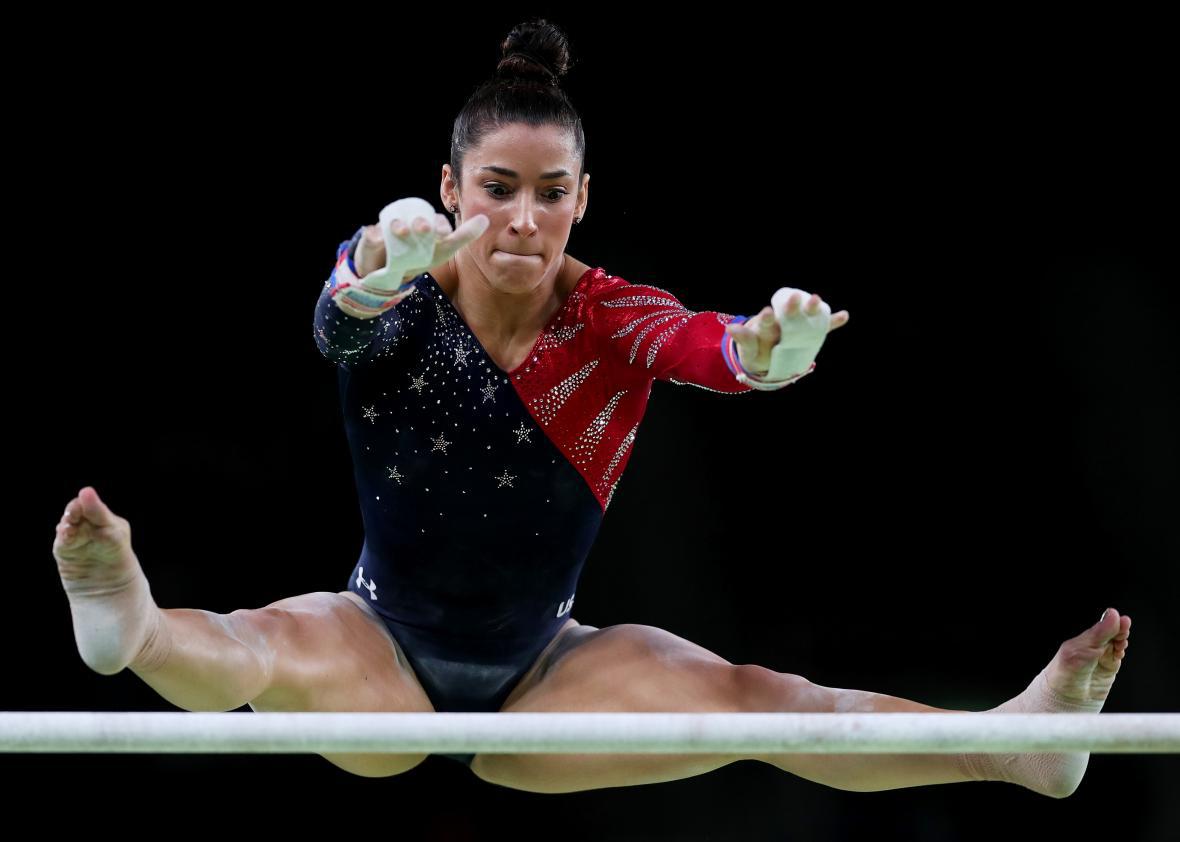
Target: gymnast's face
(524, 179)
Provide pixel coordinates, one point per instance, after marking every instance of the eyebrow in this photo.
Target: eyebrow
(514, 174)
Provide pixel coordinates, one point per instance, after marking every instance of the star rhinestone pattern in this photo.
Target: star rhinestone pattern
(482, 490)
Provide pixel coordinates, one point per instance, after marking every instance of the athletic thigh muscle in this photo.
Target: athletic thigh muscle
(329, 652)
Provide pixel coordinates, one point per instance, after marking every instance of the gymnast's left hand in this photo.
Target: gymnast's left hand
(757, 336)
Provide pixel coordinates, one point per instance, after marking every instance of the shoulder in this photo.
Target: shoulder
(612, 291)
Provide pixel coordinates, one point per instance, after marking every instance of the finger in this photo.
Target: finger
(768, 329)
(422, 224)
(747, 328)
(740, 330)
(471, 229)
(744, 338)
(794, 303)
(442, 225)
(801, 302)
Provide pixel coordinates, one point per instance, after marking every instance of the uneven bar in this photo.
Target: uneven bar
(296, 733)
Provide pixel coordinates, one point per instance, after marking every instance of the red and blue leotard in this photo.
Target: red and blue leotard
(482, 490)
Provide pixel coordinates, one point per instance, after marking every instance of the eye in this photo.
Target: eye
(554, 194)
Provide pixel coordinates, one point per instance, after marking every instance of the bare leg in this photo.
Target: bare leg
(315, 652)
(1077, 680)
(862, 772)
(203, 661)
(638, 668)
(641, 668)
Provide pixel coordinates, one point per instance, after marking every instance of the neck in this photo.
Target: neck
(505, 318)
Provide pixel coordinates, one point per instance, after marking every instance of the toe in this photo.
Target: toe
(94, 509)
(1124, 628)
(1102, 632)
(1105, 621)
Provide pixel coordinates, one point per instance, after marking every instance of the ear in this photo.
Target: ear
(583, 197)
(448, 190)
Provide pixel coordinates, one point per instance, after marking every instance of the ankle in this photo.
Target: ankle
(979, 767)
(1040, 697)
(156, 647)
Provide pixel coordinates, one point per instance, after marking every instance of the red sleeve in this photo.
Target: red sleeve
(648, 329)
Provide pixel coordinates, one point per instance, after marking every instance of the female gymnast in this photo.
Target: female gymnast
(491, 399)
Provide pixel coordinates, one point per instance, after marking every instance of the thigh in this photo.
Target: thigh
(626, 667)
(622, 668)
(330, 652)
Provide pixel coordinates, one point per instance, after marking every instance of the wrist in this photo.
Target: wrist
(756, 372)
(353, 245)
(755, 380)
(732, 353)
(359, 300)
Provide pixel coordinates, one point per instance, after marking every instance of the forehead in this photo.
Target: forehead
(530, 151)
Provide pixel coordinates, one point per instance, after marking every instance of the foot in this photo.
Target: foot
(1083, 670)
(110, 600)
(1077, 680)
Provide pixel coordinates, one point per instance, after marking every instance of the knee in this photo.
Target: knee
(528, 772)
(375, 765)
(263, 631)
(293, 629)
(286, 658)
(758, 689)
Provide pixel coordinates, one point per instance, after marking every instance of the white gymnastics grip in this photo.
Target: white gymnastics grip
(800, 335)
(407, 256)
(411, 255)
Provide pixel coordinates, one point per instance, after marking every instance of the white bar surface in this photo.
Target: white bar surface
(581, 733)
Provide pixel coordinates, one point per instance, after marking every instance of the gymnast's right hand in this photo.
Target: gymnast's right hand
(371, 254)
(408, 239)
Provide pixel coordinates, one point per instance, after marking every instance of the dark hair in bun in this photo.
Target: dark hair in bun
(524, 89)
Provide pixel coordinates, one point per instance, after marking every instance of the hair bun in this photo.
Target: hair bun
(535, 49)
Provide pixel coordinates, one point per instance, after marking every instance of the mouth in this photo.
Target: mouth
(510, 255)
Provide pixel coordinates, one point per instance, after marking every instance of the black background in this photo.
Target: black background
(984, 459)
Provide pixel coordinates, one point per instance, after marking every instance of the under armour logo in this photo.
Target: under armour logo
(564, 607)
(371, 584)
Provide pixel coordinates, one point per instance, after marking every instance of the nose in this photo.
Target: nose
(524, 220)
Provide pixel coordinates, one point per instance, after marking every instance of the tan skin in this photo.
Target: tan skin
(507, 300)
(330, 652)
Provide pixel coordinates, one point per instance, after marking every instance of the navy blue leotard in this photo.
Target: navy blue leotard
(482, 490)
